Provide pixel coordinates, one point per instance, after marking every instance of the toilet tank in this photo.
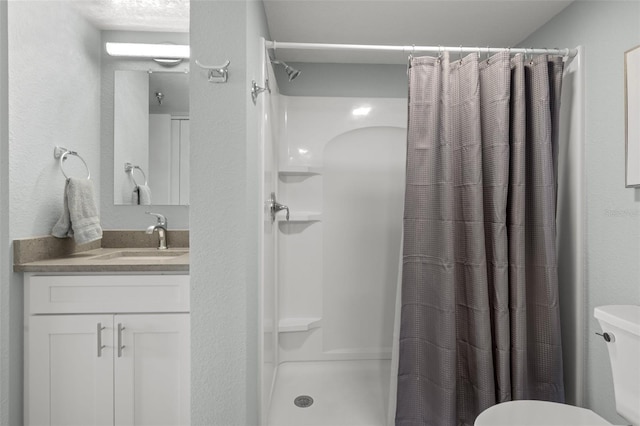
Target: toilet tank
(623, 322)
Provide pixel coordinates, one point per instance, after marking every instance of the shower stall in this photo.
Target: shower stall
(330, 271)
(335, 166)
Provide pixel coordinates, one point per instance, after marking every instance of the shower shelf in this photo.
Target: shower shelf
(301, 216)
(300, 171)
(288, 325)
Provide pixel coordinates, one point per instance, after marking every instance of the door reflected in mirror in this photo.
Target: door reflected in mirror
(151, 138)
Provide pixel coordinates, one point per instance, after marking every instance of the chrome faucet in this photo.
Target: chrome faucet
(161, 227)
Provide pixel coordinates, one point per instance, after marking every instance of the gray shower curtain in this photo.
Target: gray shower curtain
(480, 319)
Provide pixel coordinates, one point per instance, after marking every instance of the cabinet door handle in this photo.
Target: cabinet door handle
(100, 345)
(120, 345)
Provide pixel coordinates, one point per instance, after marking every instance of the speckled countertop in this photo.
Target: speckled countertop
(118, 251)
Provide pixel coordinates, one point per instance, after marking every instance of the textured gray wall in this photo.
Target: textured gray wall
(345, 80)
(223, 214)
(7, 415)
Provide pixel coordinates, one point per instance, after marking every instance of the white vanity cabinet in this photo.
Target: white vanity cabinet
(107, 349)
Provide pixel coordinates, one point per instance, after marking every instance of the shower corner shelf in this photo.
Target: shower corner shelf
(300, 171)
(301, 216)
(289, 325)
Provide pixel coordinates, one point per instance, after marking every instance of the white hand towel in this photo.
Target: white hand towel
(79, 217)
(141, 195)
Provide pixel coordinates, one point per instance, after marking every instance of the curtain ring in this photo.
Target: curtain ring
(531, 56)
(410, 58)
(460, 55)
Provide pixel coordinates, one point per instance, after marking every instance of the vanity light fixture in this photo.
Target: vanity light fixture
(164, 54)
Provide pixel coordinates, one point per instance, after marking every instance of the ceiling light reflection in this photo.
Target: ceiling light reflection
(361, 111)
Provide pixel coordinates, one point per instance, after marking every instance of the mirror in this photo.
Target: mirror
(151, 138)
(632, 107)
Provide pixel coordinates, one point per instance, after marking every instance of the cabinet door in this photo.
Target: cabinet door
(70, 377)
(152, 369)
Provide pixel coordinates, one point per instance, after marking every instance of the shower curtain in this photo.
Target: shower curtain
(480, 318)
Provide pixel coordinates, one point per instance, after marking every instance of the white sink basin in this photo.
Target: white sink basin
(139, 255)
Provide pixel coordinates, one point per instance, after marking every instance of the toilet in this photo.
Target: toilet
(621, 330)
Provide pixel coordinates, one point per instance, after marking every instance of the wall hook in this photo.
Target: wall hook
(256, 90)
(217, 73)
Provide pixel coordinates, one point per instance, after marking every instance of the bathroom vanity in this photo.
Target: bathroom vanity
(107, 338)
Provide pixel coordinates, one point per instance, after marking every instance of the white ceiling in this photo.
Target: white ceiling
(137, 15)
(406, 22)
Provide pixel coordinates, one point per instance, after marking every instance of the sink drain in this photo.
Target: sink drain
(303, 401)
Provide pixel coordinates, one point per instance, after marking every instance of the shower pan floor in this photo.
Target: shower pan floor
(345, 393)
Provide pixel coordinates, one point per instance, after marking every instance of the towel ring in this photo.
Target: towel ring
(62, 153)
(128, 168)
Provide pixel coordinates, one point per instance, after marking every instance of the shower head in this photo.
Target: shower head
(291, 72)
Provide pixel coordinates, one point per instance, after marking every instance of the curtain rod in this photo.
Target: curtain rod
(415, 49)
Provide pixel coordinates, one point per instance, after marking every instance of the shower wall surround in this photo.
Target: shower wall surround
(341, 172)
(331, 271)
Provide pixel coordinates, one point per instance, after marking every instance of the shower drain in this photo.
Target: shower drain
(303, 401)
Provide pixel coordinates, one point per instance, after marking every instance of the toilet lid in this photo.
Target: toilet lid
(537, 413)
